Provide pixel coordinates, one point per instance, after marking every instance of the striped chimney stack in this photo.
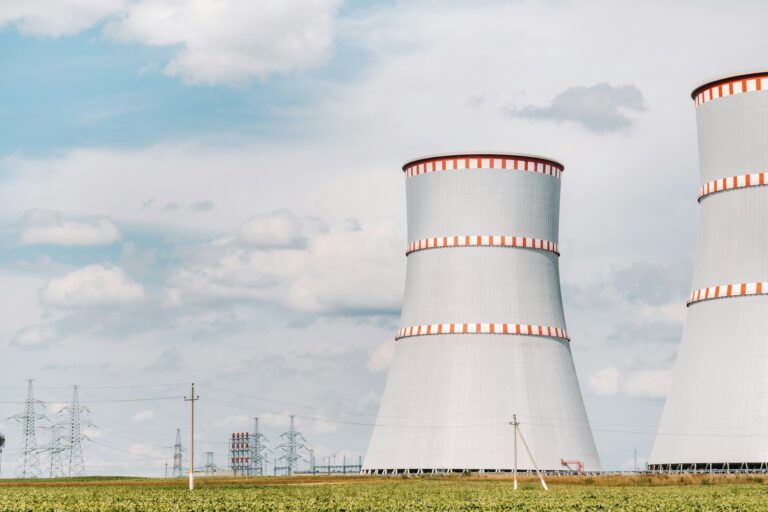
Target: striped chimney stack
(716, 414)
(482, 334)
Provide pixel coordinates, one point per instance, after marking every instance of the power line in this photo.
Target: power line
(134, 432)
(289, 404)
(492, 424)
(115, 400)
(127, 386)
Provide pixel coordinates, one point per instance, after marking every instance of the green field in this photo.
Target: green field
(378, 494)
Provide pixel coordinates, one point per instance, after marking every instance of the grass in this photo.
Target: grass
(332, 493)
(651, 480)
(383, 494)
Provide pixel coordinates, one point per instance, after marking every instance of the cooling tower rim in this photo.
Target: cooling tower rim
(721, 79)
(485, 154)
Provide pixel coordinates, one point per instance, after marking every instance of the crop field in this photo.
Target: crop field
(380, 494)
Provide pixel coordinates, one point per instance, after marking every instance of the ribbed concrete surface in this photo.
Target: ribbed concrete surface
(449, 398)
(717, 409)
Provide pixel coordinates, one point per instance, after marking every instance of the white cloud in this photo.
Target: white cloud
(233, 421)
(56, 407)
(381, 357)
(48, 227)
(653, 383)
(221, 41)
(282, 421)
(323, 426)
(350, 269)
(143, 416)
(646, 383)
(605, 382)
(599, 108)
(93, 432)
(276, 420)
(35, 336)
(145, 451)
(56, 17)
(231, 41)
(278, 230)
(94, 285)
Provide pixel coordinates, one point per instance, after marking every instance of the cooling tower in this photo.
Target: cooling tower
(716, 414)
(482, 333)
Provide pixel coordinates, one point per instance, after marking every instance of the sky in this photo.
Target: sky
(209, 191)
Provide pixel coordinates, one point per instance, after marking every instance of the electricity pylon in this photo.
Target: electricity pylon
(258, 450)
(177, 472)
(293, 441)
(29, 455)
(54, 449)
(74, 435)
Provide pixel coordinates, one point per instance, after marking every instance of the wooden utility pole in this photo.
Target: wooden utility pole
(516, 424)
(192, 399)
(514, 449)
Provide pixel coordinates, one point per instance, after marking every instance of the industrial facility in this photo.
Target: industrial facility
(482, 379)
(483, 336)
(716, 414)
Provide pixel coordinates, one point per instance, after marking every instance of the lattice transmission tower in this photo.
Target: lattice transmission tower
(258, 450)
(178, 471)
(293, 441)
(74, 436)
(54, 450)
(29, 455)
(210, 467)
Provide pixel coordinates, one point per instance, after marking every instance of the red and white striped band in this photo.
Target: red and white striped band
(730, 87)
(457, 163)
(755, 179)
(728, 290)
(440, 242)
(518, 329)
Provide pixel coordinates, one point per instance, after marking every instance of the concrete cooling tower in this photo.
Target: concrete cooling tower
(716, 414)
(482, 333)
